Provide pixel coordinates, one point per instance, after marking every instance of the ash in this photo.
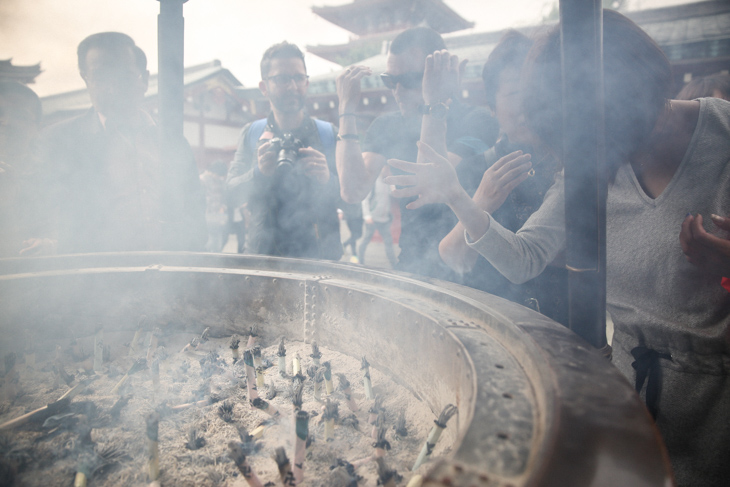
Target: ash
(203, 406)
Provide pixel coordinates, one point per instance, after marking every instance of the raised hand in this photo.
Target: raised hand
(500, 179)
(706, 251)
(434, 180)
(348, 87)
(266, 158)
(441, 76)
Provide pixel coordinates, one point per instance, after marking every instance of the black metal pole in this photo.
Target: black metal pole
(585, 179)
(170, 49)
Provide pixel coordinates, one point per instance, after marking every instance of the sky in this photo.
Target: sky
(236, 32)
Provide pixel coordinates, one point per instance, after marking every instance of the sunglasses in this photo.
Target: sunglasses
(285, 79)
(409, 81)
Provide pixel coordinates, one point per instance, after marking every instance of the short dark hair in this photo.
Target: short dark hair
(510, 52)
(637, 80)
(424, 38)
(282, 50)
(113, 41)
(706, 86)
(19, 90)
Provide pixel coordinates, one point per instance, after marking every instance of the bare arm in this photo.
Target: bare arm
(357, 170)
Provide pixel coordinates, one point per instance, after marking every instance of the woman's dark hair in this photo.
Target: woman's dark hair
(423, 38)
(112, 41)
(706, 86)
(637, 84)
(282, 50)
(510, 52)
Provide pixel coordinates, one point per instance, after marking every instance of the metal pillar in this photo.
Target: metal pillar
(585, 178)
(170, 49)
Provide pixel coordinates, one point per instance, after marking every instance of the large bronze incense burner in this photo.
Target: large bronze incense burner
(536, 405)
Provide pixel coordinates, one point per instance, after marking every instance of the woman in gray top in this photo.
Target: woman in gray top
(668, 162)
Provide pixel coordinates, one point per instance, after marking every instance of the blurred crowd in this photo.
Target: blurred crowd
(479, 193)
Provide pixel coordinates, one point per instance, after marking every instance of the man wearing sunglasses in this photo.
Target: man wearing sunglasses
(284, 169)
(394, 136)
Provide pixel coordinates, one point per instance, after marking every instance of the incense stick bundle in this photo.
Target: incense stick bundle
(251, 338)
(234, 348)
(296, 366)
(153, 343)
(250, 375)
(282, 358)
(328, 377)
(134, 344)
(373, 413)
(136, 366)
(344, 386)
(50, 409)
(415, 481)
(99, 350)
(300, 444)
(329, 414)
(435, 434)
(365, 367)
(297, 397)
(260, 377)
(381, 445)
(239, 458)
(193, 345)
(285, 471)
(318, 380)
(387, 477)
(259, 403)
(153, 450)
(316, 354)
(205, 335)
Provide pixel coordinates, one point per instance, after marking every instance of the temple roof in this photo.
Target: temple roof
(21, 74)
(364, 17)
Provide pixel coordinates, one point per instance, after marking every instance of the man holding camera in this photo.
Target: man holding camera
(284, 168)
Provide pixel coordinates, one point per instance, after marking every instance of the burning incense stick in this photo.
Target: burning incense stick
(316, 355)
(329, 414)
(344, 386)
(387, 477)
(400, 424)
(285, 471)
(239, 458)
(155, 372)
(297, 398)
(50, 409)
(250, 375)
(251, 338)
(134, 344)
(435, 434)
(381, 445)
(374, 411)
(153, 343)
(328, 378)
(260, 376)
(99, 350)
(85, 468)
(234, 348)
(193, 345)
(136, 366)
(318, 379)
(259, 403)
(365, 367)
(282, 358)
(153, 462)
(300, 444)
(205, 335)
(296, 367)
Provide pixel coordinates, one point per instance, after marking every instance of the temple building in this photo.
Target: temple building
(21, 74)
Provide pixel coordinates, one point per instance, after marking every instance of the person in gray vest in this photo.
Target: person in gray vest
(284, 168)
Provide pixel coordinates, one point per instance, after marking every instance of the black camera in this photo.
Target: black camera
(287, 146)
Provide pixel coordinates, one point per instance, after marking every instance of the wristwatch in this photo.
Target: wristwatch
(437, 110)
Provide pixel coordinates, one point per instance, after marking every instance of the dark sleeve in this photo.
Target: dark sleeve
(375, 137)
(477, 132)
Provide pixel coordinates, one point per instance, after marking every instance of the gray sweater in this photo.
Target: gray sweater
(655, 297)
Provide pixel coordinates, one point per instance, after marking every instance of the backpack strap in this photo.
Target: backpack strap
(254, 133)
